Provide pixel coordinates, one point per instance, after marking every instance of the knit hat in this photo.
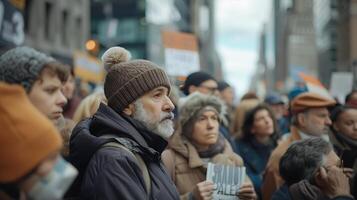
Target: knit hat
(308, 100)
(195, 79)
(22, 65)
(195, 103)
(26, 137)
(296, 91)
(273, 99)
(126, 80)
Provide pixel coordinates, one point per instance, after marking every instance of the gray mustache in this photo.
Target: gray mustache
(169, 116)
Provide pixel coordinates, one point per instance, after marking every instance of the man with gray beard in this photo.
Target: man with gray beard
(139, 118)
(164, 127)
(310, 118)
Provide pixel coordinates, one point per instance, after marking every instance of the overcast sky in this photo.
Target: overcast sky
(238, 24)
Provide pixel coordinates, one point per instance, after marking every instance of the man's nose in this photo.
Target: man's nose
(168, 105)
(61, 99)
(328, 121)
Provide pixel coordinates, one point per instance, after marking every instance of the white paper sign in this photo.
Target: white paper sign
(227, 179)
(181, 62)
(341, 84)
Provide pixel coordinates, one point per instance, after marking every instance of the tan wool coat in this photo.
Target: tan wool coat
(187, 168)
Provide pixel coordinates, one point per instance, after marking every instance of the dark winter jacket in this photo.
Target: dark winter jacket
(304, 190)
(255, 156)
(113, 173)
(282, 193)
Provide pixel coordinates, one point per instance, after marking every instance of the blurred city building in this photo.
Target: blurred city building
(315, 37)
(301, 50)
(138, 24)
(58, 28)
(289, 44)
(262, 80)
(336, 33)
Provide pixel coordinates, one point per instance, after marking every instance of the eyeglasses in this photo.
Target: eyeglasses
(211, 89)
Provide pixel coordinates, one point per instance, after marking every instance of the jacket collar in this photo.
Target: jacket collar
(107, 121)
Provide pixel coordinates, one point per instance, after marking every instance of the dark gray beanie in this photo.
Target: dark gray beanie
(22, 65)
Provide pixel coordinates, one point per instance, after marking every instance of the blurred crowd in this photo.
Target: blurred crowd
(140, 137)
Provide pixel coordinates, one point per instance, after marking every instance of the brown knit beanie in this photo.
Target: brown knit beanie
(127, 81)
(26, 138)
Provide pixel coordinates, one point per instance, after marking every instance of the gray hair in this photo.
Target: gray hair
(303, 159)
(294, 118)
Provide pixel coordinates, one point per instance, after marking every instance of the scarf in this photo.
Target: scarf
(350, 142)
(214, 149)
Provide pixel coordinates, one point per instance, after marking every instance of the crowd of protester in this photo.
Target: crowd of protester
(140, 137)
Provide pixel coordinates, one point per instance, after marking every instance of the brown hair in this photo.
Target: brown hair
(55, 69)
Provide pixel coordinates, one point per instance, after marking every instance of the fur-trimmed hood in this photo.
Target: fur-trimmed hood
(197, 101)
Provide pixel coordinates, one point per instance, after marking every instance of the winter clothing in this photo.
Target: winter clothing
(296, 91)
(282, 193)
(195, 79)
(272, 179)
(346, 148)
(22, 65)
(186, 164)
(195, 103)
(307, 191)
(284, 125)
(188, 167)
(26, 137)
(310, 100)
(112, 173)
(127, 80)
(255, 156)
(273, 99)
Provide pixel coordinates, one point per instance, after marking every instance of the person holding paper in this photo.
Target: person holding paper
(196, 143)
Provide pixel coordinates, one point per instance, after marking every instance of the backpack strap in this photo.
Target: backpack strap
(138, 158)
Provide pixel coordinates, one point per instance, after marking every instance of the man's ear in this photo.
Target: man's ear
(129, 110)
(319, 177)
(301, 119)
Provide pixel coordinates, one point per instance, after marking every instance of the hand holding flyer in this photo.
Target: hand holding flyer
(228, 180)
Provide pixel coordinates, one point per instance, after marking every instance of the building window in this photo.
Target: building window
(27, 14)
(65, 28)
(48, 11)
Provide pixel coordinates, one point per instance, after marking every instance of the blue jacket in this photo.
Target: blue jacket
(282, 193)
(255, 157)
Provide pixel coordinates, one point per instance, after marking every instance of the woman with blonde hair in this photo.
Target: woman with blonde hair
(89, 106)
